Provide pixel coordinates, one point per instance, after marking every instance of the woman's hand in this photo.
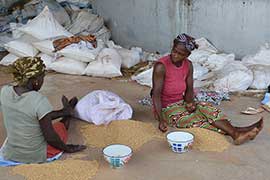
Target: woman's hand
(69, 105)
(163, 126)
(71, 148)
(191, 107)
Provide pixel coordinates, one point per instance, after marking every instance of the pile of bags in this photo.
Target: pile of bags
(36, 39)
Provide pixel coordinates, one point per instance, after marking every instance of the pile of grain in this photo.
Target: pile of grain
(58, 170)
(128, 132)
(207, 140)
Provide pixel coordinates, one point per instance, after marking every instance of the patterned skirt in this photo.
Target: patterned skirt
(176, 115)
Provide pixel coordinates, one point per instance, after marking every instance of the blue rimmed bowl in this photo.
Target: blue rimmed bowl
(117, 155)
(180, 141)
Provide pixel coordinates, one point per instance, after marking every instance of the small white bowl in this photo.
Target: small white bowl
(180, 141)
(117, 155)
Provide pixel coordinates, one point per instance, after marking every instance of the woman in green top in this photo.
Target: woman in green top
(28, 116)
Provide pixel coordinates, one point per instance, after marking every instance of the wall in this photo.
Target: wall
(238, 26)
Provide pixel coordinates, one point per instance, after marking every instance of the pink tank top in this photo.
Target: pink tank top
(174, 85)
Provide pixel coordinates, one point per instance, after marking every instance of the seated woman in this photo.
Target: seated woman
(28, 115)
(173, 97)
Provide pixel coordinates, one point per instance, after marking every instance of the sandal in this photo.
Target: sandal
(252, 111)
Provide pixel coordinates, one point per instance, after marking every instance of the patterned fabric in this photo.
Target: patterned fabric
(176, 115)
(25, 68)
(188, 41)
(64, 42)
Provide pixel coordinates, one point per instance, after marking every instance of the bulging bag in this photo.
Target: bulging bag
(102, 107)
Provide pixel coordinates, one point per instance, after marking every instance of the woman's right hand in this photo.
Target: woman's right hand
(68, 106)
(163, 126)
(71, 148)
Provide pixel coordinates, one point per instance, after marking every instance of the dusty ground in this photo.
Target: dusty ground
(154, 160)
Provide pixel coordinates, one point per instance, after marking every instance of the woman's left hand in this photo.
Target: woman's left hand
(191, 107)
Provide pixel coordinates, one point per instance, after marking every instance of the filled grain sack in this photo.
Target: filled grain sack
(86, 22)
(205, 45)
(144, 78)
(8, 59)
(44, 26)
(104, 34)
(68, 66)
(82, 51)
(262, 57)
(216, 62)
(107, 64)
(102, 107)
(21, 48)
(199, 71)
(47, 60)
(233, 77)
(45, 46)
(261, 76)
(199, 56)
(129, 57)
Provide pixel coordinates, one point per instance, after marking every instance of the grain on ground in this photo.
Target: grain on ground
(128, 132)
(58, 170)
(207, 140)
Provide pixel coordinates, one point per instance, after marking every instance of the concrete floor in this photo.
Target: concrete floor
(155, 161)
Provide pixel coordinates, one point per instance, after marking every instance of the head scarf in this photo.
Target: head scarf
(26, 68)
(187, 41)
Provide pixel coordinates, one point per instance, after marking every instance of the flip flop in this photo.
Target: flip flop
(252, 111)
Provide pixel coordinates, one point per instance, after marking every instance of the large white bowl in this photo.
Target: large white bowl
(180, 141)
(117, 155)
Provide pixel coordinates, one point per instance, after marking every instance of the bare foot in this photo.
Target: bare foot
(245, 136)
(258, 124)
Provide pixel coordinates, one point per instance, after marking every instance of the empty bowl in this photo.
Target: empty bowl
(117, 155)
(180, 141)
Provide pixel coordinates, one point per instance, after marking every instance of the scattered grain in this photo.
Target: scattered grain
(128, 132)
(207, 140)
(58, 170)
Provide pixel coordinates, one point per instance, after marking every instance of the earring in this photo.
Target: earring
(36, 83)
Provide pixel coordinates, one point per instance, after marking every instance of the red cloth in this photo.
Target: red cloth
(174, 85)
(61, 130)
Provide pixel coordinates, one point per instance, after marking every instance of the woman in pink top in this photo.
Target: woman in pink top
(173, 97)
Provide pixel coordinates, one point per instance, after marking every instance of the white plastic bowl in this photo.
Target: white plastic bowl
(180, 141)
(117, 155)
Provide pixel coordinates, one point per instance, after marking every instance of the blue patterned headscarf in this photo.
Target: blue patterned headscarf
(187, 41)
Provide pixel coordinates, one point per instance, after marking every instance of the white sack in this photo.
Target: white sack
(20, 48)
(68, 66)
(129, 57)
(199, 56)
(8, 59)
(86, 23)
(47, 60)
(107, 64)
(82, 51)
(233, 77)
(102, 107)
(45, 47)
(205, 45)
(218, 61)
(198, 71)
(104, 34)
(44, 26)
(261, 74)
(144, 78)
(148, 56)
(112, 45)
(262, 57)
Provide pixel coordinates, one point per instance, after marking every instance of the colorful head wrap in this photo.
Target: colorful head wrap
(26, 68)
(187, 41)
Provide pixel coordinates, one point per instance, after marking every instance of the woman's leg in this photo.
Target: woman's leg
(217, 119)
(239, 137)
